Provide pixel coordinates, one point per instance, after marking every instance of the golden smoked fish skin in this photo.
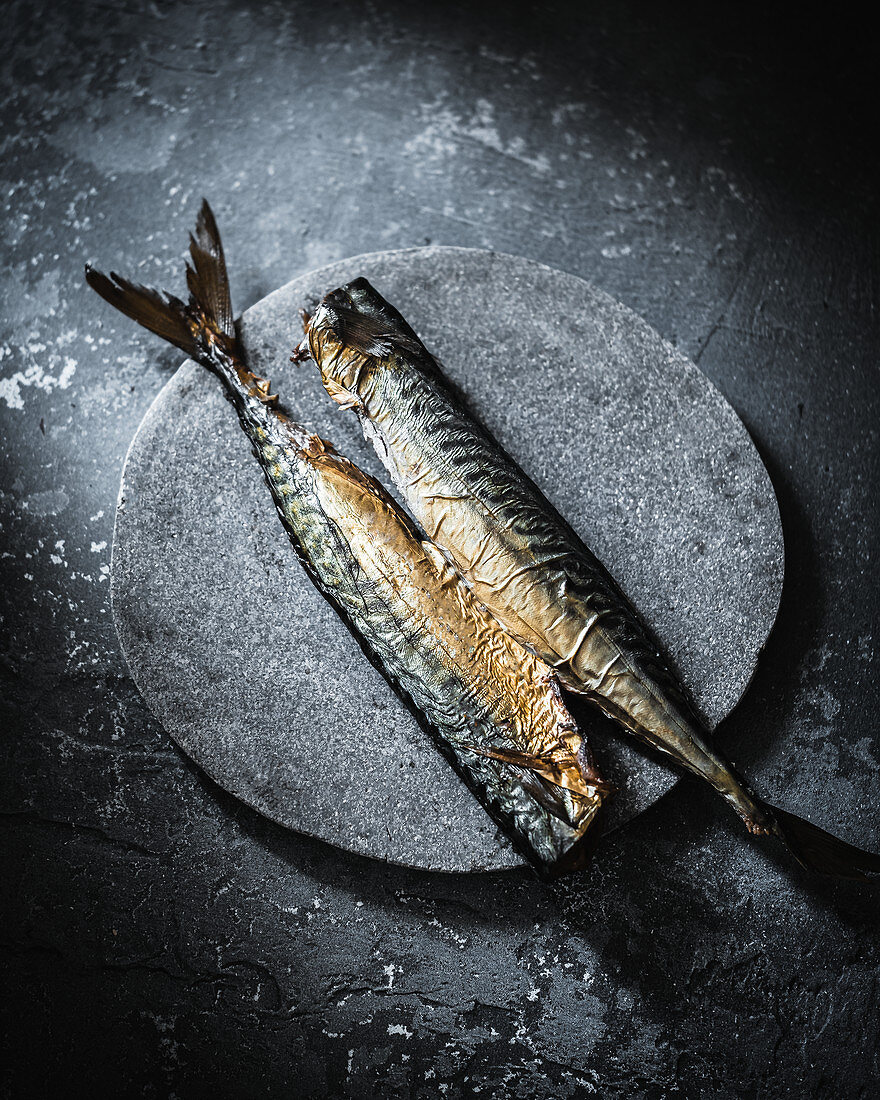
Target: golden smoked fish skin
(523, 560)
(492, 707)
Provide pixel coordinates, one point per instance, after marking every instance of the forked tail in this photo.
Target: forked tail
(197, 327)
(819, 851)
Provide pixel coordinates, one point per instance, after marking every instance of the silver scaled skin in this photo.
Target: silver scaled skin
(523, 561)
(493, 708)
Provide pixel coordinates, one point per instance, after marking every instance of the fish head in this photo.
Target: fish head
(352, 335)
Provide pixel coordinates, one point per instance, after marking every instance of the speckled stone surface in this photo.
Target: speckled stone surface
(713, 167)
(251, 671)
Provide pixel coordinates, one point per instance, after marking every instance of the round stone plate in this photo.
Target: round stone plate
(251, 671)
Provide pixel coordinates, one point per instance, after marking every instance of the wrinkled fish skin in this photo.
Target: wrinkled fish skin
(429, 635)
(492, 707)
(522, 559)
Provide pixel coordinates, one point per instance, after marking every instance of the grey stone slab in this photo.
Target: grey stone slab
(250, 670)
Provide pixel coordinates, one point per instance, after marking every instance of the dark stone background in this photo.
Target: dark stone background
(711, 167)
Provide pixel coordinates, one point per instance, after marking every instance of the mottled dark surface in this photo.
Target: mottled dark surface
(711, 168)
(631, 442)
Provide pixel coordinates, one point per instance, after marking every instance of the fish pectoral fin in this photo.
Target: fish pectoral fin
(550, 797)
(563, 773)
(546, 795)
(528, 760)
(344, 398)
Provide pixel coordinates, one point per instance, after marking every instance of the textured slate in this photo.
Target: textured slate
(712, 167)
(251, 671)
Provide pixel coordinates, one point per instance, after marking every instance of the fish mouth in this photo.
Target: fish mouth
(336, 298)
(352, 300)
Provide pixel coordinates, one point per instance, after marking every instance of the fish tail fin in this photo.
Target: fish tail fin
(207, 279)
(162, 314)
(820, 851)
(194, 326)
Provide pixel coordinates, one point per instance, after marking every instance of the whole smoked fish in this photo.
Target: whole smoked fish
(523, 560)
(493, 708)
